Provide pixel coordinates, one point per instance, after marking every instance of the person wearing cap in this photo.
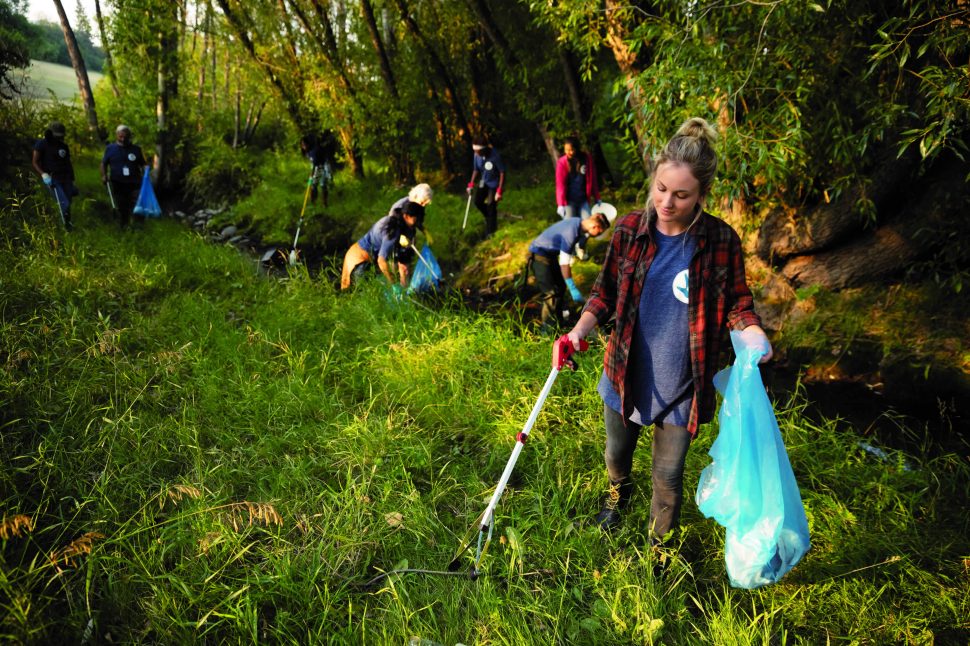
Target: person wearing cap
(390, 239)
(576, 185)
(488, 169)
(51, 160)
(123, 165)
(421, 194)
(550, 259)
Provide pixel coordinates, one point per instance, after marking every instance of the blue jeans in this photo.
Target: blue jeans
(63, 192)
(670, 444)
(577, 210)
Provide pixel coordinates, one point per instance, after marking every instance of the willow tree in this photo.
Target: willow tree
(828, 113)
(80, 71)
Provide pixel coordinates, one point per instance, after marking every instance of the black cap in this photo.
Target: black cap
(57, 129)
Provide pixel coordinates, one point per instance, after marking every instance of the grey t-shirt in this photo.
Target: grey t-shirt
(659, 365)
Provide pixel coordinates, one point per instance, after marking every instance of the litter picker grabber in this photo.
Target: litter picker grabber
(467, 206)
(306, 198)
(111, 195)
(485, 523)
(57, 200)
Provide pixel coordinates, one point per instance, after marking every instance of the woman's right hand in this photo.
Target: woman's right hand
(564, 347)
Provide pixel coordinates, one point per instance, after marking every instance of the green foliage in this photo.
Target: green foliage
(14, 45)
(222, 175)
(804, 93)
(47, 44)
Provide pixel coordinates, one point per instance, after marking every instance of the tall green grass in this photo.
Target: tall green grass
(193, 452)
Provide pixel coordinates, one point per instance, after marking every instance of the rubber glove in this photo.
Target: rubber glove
(561, 211)
(471, 185)
(498, 194)
(47, 179)
(574, 291)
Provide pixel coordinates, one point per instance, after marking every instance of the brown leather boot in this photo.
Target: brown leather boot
(617, 498)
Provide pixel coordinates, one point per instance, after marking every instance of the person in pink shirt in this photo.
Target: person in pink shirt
(576, 184)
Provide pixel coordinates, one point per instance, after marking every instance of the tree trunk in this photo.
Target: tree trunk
(850, 260)
(617, 36)
(581, 112)
(237, 119)
(385, 62)
(81, 71)
(110, 71)
(549, 142)
(792, 232)
(439, 71)
(167, 71)
(400, 156)
(291, 100)
(203, 62)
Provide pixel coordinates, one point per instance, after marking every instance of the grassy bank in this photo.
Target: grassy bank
(49, 81)
(194, 453)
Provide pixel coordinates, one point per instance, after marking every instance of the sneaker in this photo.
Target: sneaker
(617, 498)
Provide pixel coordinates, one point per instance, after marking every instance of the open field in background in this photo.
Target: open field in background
(192, 452)
(42, 78)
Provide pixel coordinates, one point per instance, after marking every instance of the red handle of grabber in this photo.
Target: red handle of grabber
(566, 350)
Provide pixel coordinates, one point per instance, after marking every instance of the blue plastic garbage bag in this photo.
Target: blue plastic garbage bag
(147, 204)
(750, 488)
(427, 273)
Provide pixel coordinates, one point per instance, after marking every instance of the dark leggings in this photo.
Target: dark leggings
(485, 202)
(670, 444)
(551, 285)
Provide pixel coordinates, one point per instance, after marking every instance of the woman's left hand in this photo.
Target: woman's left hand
(754, 336)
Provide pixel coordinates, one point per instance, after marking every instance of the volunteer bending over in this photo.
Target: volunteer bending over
(550, 259)
(391, 239)
(674, 278)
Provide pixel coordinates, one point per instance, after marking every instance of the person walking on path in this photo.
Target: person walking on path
(674, 278)
(321, 169)
(576, 182)
(420, 194)
(390, 239)
(123, 165)
(51, 159)
(488, 169)
(550, 259)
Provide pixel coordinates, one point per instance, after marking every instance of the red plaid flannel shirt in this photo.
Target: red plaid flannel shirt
(718, 300)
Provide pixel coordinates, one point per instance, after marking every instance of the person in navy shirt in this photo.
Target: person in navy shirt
(122, 165)
(321, 168)
(390, 239)
(550, 259)
(488, 168)
(51, 160)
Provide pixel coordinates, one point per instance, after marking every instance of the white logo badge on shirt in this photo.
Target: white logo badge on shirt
(131, 156)
(679, 286)
(489, 165)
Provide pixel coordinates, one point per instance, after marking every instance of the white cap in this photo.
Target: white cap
(609, 211)
(421, 194)
(122, 127)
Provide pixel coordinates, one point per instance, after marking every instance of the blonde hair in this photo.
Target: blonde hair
(421, 194)
(693, 146)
